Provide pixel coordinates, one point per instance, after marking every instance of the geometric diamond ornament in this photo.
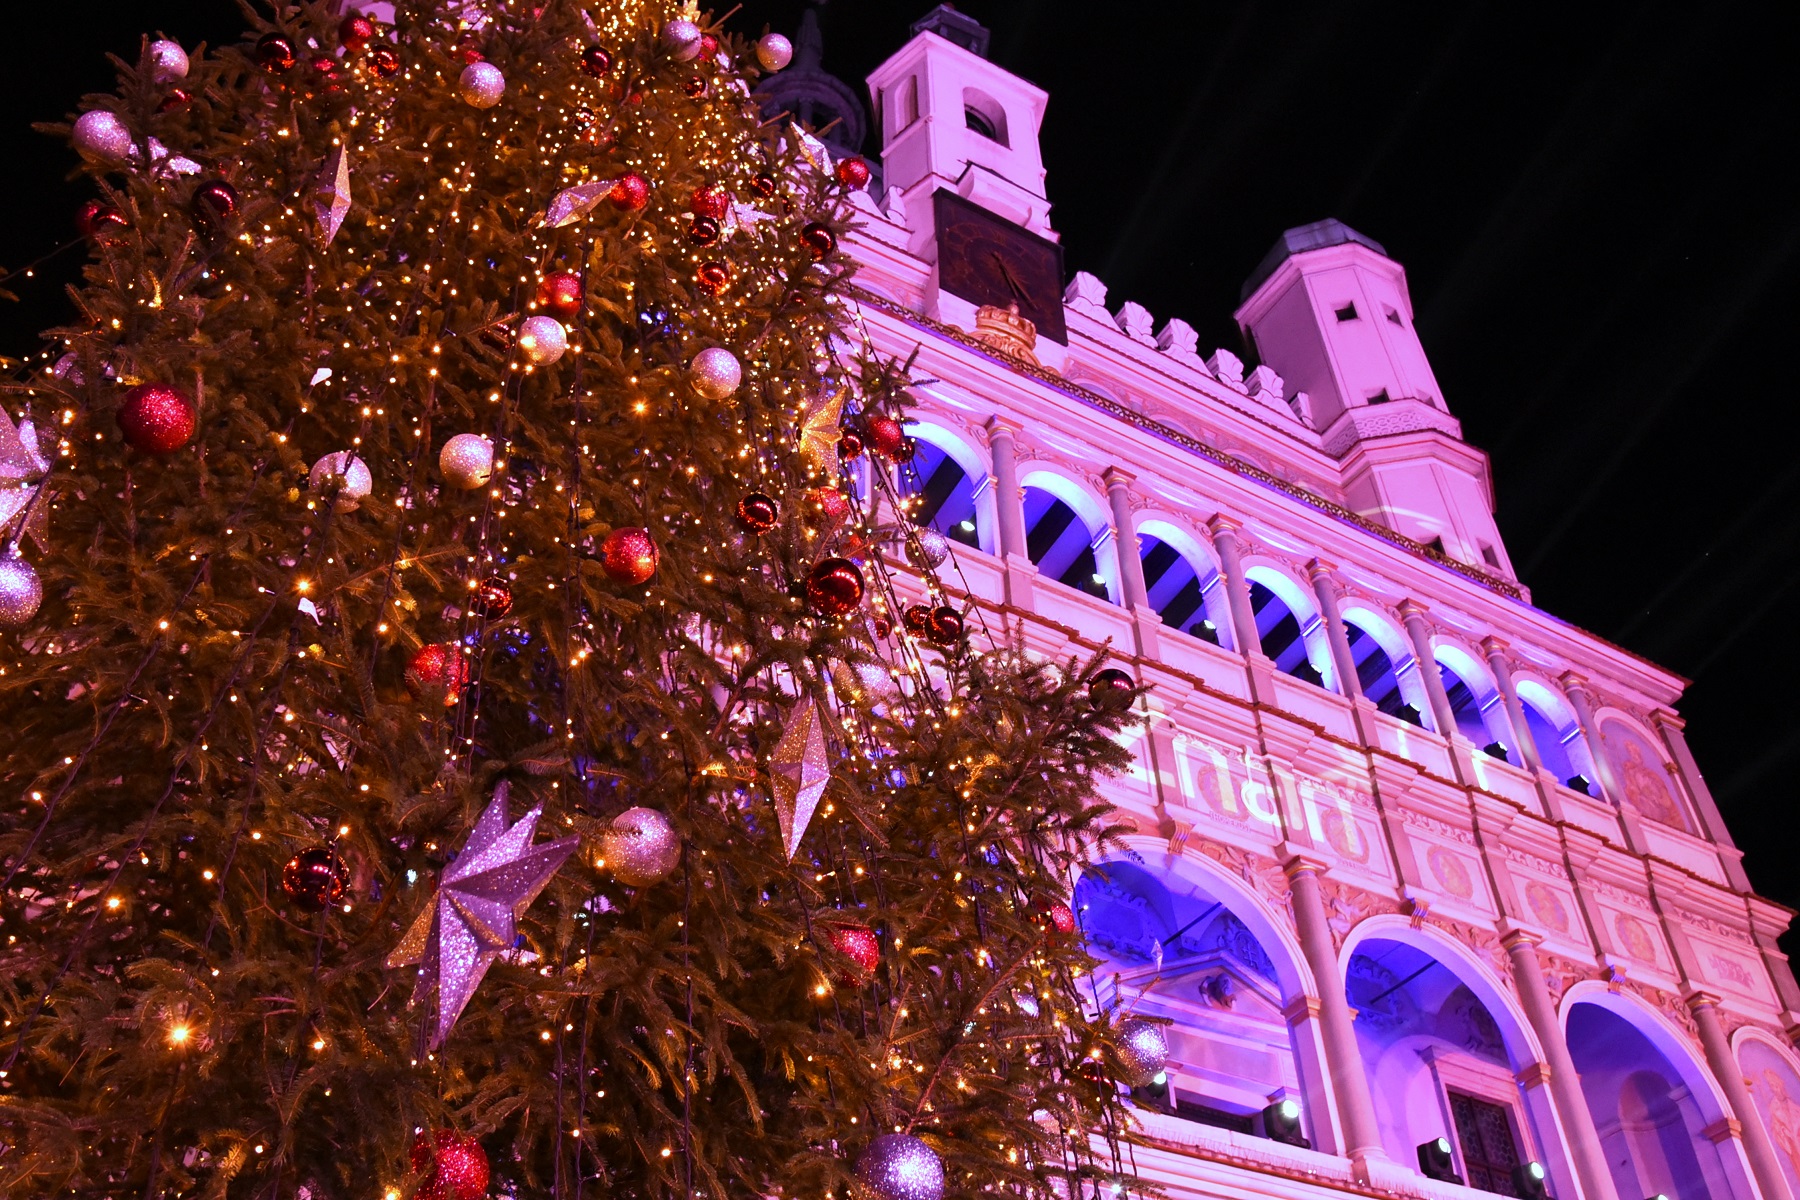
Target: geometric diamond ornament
(473, 919)
(799, 772)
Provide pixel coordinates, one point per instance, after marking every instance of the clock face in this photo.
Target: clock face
(987, 259)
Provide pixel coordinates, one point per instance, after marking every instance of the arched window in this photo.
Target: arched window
(984, 115)
(1291, 633)
(1384, 668)
(1651, 1112)
(1480, 712)
(1061, 543)
(1173, 948)
(943, 494)
(1557, 736)
(1185, 589)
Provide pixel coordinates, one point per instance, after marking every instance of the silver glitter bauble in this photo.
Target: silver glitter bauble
(481, 85)
(352, 473)
(20, 593)
(774, 51)
(543, 339)
(467, 460)
(1143, 1052)
(864, 684)
(715, 373)
(640, 847)
(681, 38)
(168, 61)
(900, 1167)
(101, 135)
(929, 550)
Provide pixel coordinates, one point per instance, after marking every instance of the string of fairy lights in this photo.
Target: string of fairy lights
(386, 354)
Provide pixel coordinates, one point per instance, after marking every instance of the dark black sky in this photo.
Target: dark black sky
(1594, 202)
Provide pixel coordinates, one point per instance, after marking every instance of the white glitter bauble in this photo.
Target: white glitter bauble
(774, 51)
(20, 593)
(715, 373)
(355, 482)
(640, 847)
(929, 550)
(864, 684)
(681, 38)
(481, 85)
(467, 460)
(168, 61)
(101, 135)
(899, 1167)
(1143, 1052)
(543, 339)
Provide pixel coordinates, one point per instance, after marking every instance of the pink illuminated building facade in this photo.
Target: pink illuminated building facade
(1409, 853)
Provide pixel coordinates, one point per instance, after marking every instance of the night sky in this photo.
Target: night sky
(1593, 202)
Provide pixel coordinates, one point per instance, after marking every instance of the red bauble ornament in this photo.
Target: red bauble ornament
(826, 508)
(275, 52)
(694, 87)
(711, 202)
(560, 292)
(944, 627)
(356, 31)
(850, 447)
(438, 672)
(630, 193)
(703, 231)
(709, 48)
(493, 597)
(384, 62)
(853, 172)
(758, 513)
(454, 1165)
(916, 619)
(835, 587)
(629, 555)
(1054, 918)
(214, 206)
(885, 435)
(596, 61)
(100, 221)
(468, 47)
(325, 66)
(156, 419)
(315, 878)
(176, 98)
(1110, 688)
(859, 944)
(713, 276)
(882, 627)
(763, 185)
(818, 238)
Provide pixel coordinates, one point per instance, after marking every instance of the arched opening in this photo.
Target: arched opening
(1187, 950)
(1062, 543)
(1557, 736)
(1291, 634)
(1184, 588)
(1441, 1063)
(984, 115)
(1649, 1115)
(1385, 671)
(1475, 702)
(943, 494)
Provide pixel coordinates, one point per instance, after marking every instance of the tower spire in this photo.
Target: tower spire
(812, 96)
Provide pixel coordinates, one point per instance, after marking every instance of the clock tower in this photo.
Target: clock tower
(959, 145)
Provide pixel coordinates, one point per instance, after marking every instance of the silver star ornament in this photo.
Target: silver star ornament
(473, 919)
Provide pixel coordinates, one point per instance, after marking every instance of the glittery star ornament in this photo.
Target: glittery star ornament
(331, 194)
(819, 435)
(899, 1167)
(573, 203)
(799, 772)
(473, 919)
(22, 468)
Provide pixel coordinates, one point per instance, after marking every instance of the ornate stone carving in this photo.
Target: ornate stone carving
(1530, 861)
(1619, 895)
(1006, 333)
(1262, 875)
(1347, 906)
(1560, 974)
(1443, 829)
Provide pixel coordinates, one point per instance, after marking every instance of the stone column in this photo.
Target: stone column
(1495, 649)
(1585, 1152)
(1009, 505)
(1349, 1083)
(1237, 589)
(1412, 613)
(1131, 563)
(1326, 590)
(1761, 1152)
(1575, 688)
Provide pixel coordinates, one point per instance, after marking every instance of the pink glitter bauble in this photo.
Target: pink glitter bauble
(454, 1165)
(156, 419)
(629, 555)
